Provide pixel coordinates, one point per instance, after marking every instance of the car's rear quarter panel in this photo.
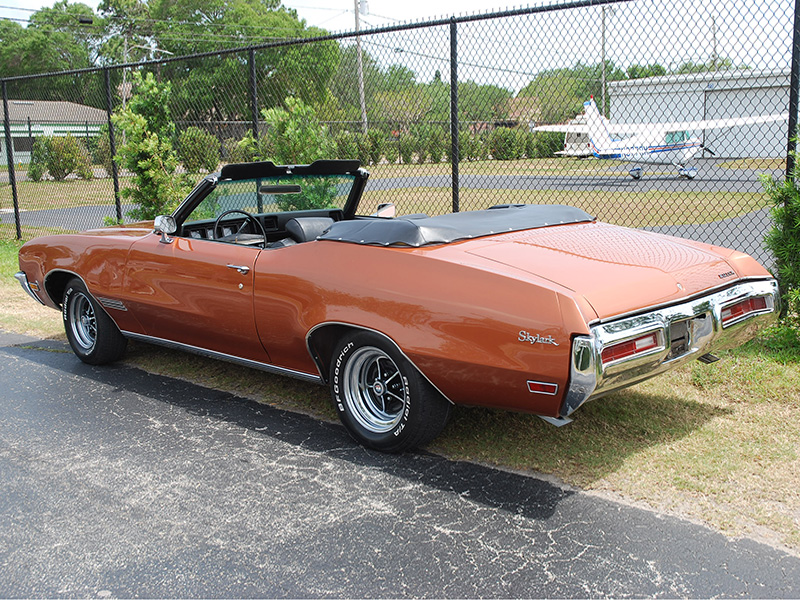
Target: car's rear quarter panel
(459, 324)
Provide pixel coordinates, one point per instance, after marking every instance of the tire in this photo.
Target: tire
(382, 399)
(93, 336)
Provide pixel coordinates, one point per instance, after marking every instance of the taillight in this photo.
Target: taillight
(630, 348)
(743, 308)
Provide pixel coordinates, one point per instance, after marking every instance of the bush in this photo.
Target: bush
(103, 156)
(60, 157)
(784, 238)
(435, 145)
(346, 146)
(364, 145)
(421, 148)
(198, 150)
(546, 144)
(295, 135)
(392, 150)
(377, 144)
(407, 143)
(503, 144)
(147, 152)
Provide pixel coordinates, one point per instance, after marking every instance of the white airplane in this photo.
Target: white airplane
(651, 143)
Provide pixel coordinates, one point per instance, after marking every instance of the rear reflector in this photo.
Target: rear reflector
(630, 348)
(742, 309)
(540, 387)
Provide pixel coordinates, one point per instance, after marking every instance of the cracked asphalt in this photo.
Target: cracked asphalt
(119, 483)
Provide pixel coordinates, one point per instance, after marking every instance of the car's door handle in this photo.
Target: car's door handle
(243, 269)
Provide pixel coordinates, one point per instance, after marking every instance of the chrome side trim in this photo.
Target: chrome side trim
(23, 281)
(704, 331)
(375, 331)
(226, 357)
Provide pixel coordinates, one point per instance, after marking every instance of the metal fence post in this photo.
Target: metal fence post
(12, 177)
(454, 147)
(253, 92)
(112, 144)
(793, 93)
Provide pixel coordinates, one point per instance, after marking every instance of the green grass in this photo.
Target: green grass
(632, 209)
(717, 443)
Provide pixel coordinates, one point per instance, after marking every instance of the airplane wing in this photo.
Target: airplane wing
(566, 128)
(634, 128)
(694, 125)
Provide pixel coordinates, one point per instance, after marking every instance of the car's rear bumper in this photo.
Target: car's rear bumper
(31, 289)
(669, 336)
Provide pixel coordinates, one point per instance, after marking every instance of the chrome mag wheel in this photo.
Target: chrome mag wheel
(374, 390)
(82, 321)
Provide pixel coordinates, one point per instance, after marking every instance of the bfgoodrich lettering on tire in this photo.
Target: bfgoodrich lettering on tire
(93, 336)
(381, 398)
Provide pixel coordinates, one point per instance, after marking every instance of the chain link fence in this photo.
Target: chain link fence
(651, 114)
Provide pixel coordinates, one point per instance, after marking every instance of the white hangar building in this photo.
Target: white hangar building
(717, 95)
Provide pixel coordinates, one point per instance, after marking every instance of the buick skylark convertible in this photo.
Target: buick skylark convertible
(535, 308)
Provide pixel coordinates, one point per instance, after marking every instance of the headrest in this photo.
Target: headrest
(306, 229)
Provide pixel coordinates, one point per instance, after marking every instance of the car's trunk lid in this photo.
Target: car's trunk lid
(616, 269)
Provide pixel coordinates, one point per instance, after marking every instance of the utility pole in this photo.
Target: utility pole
(603, 62)
(361, 98)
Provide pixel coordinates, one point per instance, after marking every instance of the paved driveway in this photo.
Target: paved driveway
(120, 483)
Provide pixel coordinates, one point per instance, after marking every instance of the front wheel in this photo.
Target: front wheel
(93, 336)
(381, 398)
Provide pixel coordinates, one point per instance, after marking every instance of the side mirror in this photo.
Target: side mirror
(387, 210)
(165, 225)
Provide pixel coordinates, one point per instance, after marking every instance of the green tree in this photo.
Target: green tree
(215, 88)
(641, 71)
(148, 131)
(562, 92)
(295, 135)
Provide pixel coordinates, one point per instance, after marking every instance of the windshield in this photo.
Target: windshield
(285, 193)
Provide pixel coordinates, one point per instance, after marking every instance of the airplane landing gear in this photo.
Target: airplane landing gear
(689, 173)
(636, 172)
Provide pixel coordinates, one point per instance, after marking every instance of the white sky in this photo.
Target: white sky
(333, 15)
(509, 52)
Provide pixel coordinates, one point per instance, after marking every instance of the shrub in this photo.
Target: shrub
(60, 157)
(392, 152)
(546, 144)
(295, 135)
(198, 150)
(346, 146)
(421, 148)
(377, 145)
(364, 145)
(503, 144)
(784, 237)
(147, 152)
(103, 156)
(435, 145)
(406, 143)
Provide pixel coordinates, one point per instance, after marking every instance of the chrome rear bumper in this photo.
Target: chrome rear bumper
(683, 332)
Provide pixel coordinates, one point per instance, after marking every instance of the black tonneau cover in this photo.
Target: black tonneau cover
(416, 231)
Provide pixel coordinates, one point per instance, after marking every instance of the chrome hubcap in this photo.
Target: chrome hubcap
(374, 390)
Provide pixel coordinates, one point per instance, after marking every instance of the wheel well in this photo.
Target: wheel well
(55, 284)
(321, 342)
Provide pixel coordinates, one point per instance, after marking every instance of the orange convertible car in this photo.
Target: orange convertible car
(536, 308)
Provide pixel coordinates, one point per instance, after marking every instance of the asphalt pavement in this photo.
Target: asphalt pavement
(119, 483)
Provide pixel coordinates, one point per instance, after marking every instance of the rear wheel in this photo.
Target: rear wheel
(382, 400)
(93, 336)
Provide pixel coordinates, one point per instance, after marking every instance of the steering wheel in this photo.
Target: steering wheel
(249, 219)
